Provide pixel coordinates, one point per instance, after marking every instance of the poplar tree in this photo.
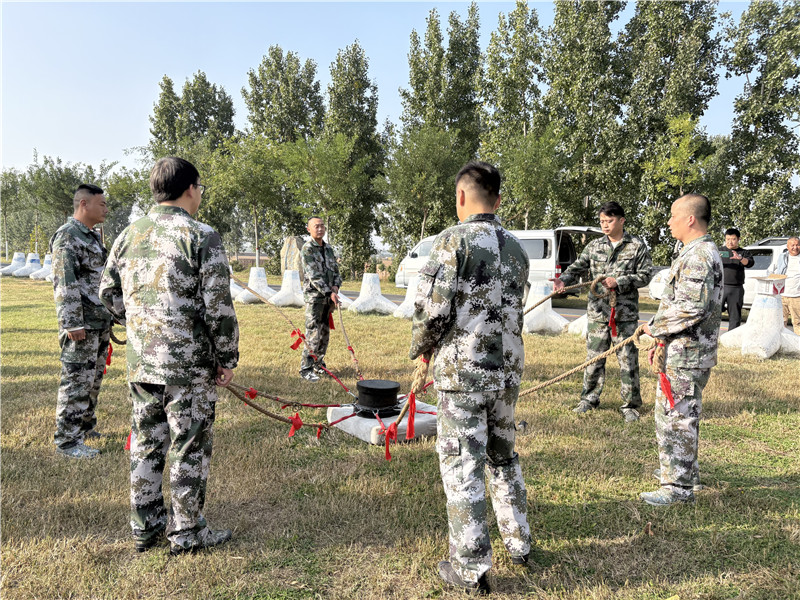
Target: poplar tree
(283, 100)
(764, 137)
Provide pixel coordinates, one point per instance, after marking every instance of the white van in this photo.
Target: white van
(545, 248)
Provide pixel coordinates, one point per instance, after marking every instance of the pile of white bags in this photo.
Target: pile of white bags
(406, 309)
(47, 268)
(31, 264)
(257, 282)
(17, 263)
(290, 294)
(542, 319)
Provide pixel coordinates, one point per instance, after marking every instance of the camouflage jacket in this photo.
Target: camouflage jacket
(320, 271)
(629, 263)
(78, 259)
(167, 278)
(688, 317)
(468, 307)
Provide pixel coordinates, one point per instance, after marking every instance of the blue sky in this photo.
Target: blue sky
(79, 79)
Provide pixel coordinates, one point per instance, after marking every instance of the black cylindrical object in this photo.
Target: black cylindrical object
(377, 395)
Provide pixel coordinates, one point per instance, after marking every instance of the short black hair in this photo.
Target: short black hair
(85, 190)
(733, 231)
(171, 177)
(699, 205)
(611, 209)
(484, 175)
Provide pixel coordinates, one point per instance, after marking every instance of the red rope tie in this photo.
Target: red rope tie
(330, 321)
(391, 434)
(319, 431)
(612, 321)
(300, 338)
(335, 378)
(351, 349)
(426, 412)
(344, 418)
(128, 442)
(108, 358)
(425, 360)
(666, 386)
(251, 394)
(412, 411)
(297, 423)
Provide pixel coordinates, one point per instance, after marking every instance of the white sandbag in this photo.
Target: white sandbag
(790, 342)
(290, 294)
(49, 277)
(47, 268)
(762, 336)
(33, 263)
(406, 309)
(17, 263)
(257, 282)
(370, 298)
(542, 319)
(369, 430)
(236, 289)
(579, 326)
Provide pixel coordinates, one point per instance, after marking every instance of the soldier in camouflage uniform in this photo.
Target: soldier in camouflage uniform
(625, 262)
(321, 281)
(84, 324)
(687, 323)
(167, 279)
(468, 310)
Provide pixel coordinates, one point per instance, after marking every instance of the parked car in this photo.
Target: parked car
(546, 249)
(765, 252)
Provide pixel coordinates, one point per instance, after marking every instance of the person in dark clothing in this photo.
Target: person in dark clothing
(734, 261)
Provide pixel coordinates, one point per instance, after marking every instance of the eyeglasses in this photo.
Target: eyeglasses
(202, 188)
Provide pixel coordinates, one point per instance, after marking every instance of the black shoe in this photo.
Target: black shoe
(520, 560)
(146, 544)
(205, 539)
(450, 577)
(92, 435)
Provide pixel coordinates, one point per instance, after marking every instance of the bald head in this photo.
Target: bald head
(697, 206)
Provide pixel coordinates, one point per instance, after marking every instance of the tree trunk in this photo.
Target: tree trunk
(526, 218)
(424, 219)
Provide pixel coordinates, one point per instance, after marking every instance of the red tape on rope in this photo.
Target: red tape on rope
(666, 386)
(251, 394)
(391, 434)
(612, 321)
(297, 423)
(330, 321)
(128, 442)
(300, 337)
(108, 358)
(412, 411)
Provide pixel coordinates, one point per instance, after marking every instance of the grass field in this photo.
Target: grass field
(333, 519)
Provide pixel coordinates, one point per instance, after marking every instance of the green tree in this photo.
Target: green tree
(126, 190)
(423, 101)
(164, 121)
(283, 99)
(420, 186)
(11, 202)
(352, 111)
(764, 145)
(583, 104)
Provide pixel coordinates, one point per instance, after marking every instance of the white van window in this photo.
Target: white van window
(536, 249)
(424, 249)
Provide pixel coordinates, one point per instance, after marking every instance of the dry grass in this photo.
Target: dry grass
(333, 519)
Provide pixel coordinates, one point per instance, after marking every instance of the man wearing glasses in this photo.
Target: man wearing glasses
(167, 279)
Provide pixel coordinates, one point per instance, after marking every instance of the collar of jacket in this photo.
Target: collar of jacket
(626, 237)
(314, 243)
(84, 228)
(482, 217)
(703, 238)
(165, 209)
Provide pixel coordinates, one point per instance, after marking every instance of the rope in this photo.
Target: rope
(115, 339)
(288, 421)
(634, 339)
(577, 286)
(295, 333)
(349, 345)
(250, 393)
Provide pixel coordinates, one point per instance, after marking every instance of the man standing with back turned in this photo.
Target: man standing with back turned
(167, 278)
(687, 324)
(469, 311)
(321, 281)
(624, 262)
(84, 324)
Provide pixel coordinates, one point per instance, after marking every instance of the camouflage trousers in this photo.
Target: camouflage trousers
(678, 429)
(476, 430)
(318, 333)
(82, 365)
(598, 340)
(175, 421)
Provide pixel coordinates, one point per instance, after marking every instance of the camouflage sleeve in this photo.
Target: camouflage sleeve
(220, 316)
(581, 265)
(693, 293)
(66, 286)
(438, 282)
(110, 292)
(312, 269)
(642, 271)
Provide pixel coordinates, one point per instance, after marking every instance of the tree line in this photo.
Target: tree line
(574, 115)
